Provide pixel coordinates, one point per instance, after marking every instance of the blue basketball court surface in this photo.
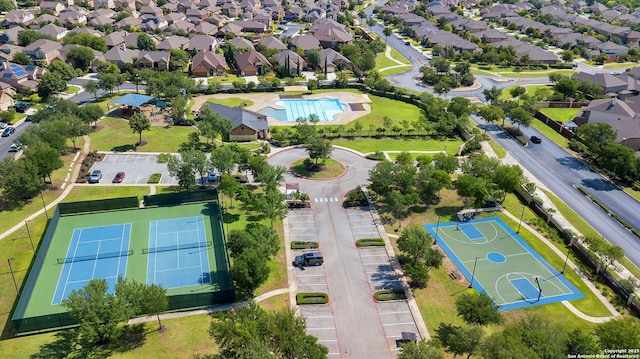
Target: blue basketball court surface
(178, 252)
(94, 252)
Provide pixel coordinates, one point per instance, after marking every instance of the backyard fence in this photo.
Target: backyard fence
(71, 208)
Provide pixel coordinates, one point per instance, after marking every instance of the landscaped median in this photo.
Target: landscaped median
(389, 294)
(370, 242)
(312, 298)
(304, 245)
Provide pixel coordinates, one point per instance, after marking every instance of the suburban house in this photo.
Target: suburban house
(247, 125)
(6, 96)
(305, 42)
(610, 83)
(622, 116)
(291, 60)
(331, 60)
(252, 63)
(156, 60)
(208, 63)
(21, 77)
(43, 51)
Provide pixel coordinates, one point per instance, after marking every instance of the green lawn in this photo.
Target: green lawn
(482, 72)
(72, 89)
(561, 114)
(542, 73)
(616, 65)
(383, 61)
(231, 102)
(531, 90)
(500, 152)
(366, 145)
(114, 134)
(395, 71)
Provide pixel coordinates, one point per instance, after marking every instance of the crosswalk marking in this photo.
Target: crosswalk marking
(325, 199)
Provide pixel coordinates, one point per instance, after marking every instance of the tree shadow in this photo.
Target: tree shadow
(449, 212)
(386, 278)
(132, 338)
(599, 184)
(572, 163)
(231, 217)
(123, 148)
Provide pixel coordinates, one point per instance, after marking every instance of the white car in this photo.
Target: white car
(213, 176)
(3, 125)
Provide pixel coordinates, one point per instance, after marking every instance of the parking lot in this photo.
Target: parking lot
(137, 167)
(395, 316)
(320, 321)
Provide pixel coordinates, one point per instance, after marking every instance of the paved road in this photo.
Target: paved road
(559, 171)
(358, 323)
(5, 142)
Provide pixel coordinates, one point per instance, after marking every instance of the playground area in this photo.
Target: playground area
(182, 250)
(497, 261)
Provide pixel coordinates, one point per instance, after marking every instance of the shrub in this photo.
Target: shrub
(389, 294)
(376, 156)
(155, 178)
(163, 157)
(356, 198)
(517, 134)
(304, 245)
(312, 298)
(370, 242)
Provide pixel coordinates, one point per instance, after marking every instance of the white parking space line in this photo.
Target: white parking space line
(326, 328)
(386, 313)
(310, 275)
(393, 324)
(327, 340)
(376, 263)
(319, 316)
(374, 255)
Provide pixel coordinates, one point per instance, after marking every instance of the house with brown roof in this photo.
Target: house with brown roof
(331, 60)
(208, 63)
(6, 96)
(55, 31)
(53, 6)
(121, 56)
(18, 17)
(202, 43)
(252, 26)
(21, 77)
(156, 60)
(272, 42)
(173, 42)
(252, 63)
(288, 59)
(304, 42)
(42, 51)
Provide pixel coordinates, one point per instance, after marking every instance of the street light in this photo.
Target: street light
(520, 223)
(26, 223)
(565, 260)
(435, 241)
(44, 205)
(12, 276)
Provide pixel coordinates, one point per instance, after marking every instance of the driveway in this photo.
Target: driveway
(137, 166)
(361, 327)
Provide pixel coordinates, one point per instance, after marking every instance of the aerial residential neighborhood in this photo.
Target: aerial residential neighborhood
(320, 179)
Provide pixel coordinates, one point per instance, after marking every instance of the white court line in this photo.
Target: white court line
(508, 255)
(173, 269)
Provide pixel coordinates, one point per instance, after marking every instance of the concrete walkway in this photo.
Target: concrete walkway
(387, 53)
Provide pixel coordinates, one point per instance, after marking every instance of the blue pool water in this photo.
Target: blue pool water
(325, 109)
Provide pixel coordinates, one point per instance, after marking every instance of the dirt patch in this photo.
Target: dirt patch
(450, 268)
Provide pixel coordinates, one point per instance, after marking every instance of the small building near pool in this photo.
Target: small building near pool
(247, 125)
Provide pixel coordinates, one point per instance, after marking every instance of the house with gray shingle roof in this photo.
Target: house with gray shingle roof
(55, 31)
(252, 63)
(173, 42)
(208, 63)
(610, 83)
(202, 43)
(247, 125)
(156, 60)
(622, 116)
(291, 60)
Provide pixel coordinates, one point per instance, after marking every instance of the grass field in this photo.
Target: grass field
(114, 134)
(616, 65)
(542, 73)
(231, 102)
(560, 114)
(331, 169)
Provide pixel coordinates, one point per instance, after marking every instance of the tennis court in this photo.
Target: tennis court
(94, 252)
(178, 252)
(498, 262)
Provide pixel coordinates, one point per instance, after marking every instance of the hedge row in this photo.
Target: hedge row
(155, 178)
(370, 242)
(389, 294)
(304, 245)
(312, 298)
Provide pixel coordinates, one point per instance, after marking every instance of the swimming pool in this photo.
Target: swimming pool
(325, 109)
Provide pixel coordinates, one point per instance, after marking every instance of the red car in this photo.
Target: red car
(119, 177)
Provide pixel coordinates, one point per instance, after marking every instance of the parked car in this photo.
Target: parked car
(95, 176)
(118, 178)
(21, 106)
(28, 118)
(407, 43)
(309, 259)
(535, 139)
(8, 131)
(15, 147)
(213, 176)
(3, 125)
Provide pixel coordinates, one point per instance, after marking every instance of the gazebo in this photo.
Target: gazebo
(132, 101)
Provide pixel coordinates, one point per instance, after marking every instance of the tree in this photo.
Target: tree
(179, 60)
(86, 39)
(20, 57)
(92, 88)
(44, 158)
(478, 309)
(28, 36)
(228, 185)
(91, 113)
(619, 333)
(223, 158)
(318, 148)
(442, 87)
(249, 270)
(459, 340)
(508, 177)
(386, 32)
(517, 91)
(100, 314)
(580, 342)
(154, 301)
(109, 81)
(252, 332)
(445, 162)
(145, 42)
(139, 123)
(461, 106)
(312, 85)
(506, 345)
(51, 83)
(520, 117)
(183, 170)
(415, 242)
(596, 135)
(567, 56)
(179, 109)
(198, 162)
(7, 5)
(19, 180)
(491, 114)
(546, 339)
(474, 188)
(618, 159)
(81, 57)
(492, 95)
(76, 128)
(63, 69)
(271, 204)
(420, 350)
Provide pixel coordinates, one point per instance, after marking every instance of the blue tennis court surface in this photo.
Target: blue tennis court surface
(94, 252)
(471, 231)
(178, 252)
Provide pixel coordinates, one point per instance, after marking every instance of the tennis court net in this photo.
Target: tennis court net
(92, 257)
(176, 247)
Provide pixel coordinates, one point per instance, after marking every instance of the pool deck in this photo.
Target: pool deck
(262, 100)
